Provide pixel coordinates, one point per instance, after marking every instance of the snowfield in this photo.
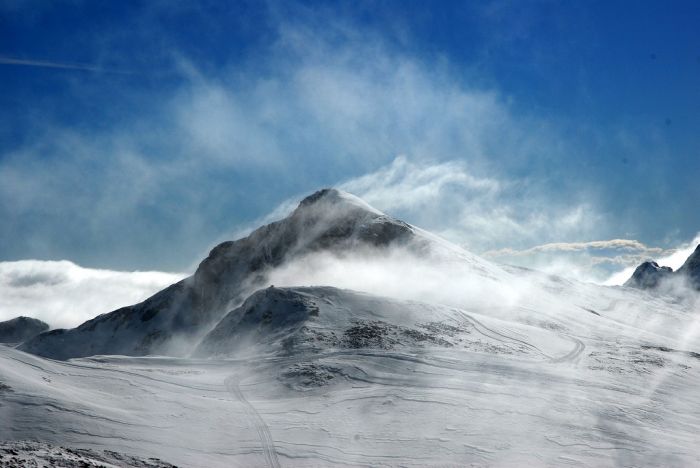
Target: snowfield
(379, 345)
(400, 384)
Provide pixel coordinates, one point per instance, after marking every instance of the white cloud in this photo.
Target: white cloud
(623, 244)
(588, 261)
(478, 211)
(321, 104)
(64, 294)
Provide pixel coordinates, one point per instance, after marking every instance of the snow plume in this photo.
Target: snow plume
(479, 210)
(403, 274)
(64, 294)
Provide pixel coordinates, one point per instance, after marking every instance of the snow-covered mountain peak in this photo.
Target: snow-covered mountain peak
(329, 221)
(335, 198)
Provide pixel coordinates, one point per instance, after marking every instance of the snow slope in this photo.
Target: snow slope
(379, 345)
(401, 383)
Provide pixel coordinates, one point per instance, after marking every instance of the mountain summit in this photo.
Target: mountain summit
(649, 275)
(176, 318)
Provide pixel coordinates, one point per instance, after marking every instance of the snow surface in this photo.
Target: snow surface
(582, 383)
(412, 352)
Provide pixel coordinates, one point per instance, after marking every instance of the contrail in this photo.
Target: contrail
(66, 66)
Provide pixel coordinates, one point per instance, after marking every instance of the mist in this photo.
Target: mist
(402, 274)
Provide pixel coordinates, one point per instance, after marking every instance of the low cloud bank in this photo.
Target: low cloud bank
(64, 294)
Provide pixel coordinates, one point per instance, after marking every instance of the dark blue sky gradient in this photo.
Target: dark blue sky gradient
(616, 84)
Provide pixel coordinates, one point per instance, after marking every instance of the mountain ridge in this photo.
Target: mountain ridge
(173, 319)
(21, 328)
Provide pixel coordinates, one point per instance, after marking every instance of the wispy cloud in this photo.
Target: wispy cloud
(476, 209)
(324, 105)
(5, 60)
(615, 244)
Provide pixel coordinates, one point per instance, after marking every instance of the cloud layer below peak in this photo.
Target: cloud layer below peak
(64, 294)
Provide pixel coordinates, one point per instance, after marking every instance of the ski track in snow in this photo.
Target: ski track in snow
(506, 367)
(268, 446)
(491, 333)
(580, 389)
(384, 408)
(576, 352)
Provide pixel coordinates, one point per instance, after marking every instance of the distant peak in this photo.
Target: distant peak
(648, 275)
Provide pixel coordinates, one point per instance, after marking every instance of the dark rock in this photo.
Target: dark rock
(21, 329)
(648, 275)
(691, 269)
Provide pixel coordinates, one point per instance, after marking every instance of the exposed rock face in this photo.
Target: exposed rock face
(691, 269)
(172, 320)
(20, 329)
(648, 275)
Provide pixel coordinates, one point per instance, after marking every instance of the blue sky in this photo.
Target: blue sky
(134, 135)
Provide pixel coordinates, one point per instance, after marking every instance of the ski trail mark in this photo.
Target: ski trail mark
(268, 446)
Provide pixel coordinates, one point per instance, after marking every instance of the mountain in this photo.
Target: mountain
(20, 329)
(173, 320)
(649, 275)
(566, 373)
(430, 356)
(691, 269)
